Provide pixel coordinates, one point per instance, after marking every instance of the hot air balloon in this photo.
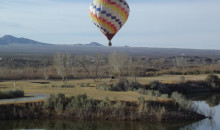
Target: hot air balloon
(109, 16)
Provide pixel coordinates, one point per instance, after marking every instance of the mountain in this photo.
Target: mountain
(92, 44)
(10, 45)
(79, 44)
(8, 39)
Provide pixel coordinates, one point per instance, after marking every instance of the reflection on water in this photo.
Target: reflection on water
(88, 125)
(211, 99)
(205, 101)
(209, 103)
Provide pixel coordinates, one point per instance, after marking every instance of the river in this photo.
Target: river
(208, 104)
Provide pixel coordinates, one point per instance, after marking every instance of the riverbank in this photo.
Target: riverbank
(154, 101)
(84, 108)
(202, 99)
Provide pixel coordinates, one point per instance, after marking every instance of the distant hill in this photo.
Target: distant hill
(94, 44)
(8, 39)
(10, 45)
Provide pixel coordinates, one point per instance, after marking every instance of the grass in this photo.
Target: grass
(91, 91)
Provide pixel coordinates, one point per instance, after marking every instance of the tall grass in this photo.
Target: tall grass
(83, 107)
(183, 102)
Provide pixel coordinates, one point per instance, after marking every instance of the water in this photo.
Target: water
(208, 103)
(29, 97)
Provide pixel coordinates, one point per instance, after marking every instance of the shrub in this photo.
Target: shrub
(49, 103)
(183, 102)
(160, 113)
(64, 86)
(182, 79)
(103, 86)
(104, 105)
(141, 99)
(67, 86)
(84, 84)
(150, 93)
(60, 101)
(164, 89)
(154, 84)
(164, 96)
(57, 102)
(81, 102)
(8, 94)
(118, 109)
(213, 81)
(135, 85)
(212, 78)
(142, 91)
(121, 85)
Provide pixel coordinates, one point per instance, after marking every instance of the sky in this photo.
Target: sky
(151, 23)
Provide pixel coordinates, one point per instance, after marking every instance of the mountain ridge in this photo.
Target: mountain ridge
(9, 39)
(14, 47)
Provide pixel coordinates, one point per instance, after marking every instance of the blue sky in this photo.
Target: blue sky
(152, 23)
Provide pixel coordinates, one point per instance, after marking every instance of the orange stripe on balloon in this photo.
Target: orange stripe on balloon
(104, 21)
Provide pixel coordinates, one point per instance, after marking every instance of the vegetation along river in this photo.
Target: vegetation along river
(208, 104)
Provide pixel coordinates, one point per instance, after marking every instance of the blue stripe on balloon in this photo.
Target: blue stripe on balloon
(98, 9)
(110, 15)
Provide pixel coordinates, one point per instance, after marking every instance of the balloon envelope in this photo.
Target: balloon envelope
(109, 15)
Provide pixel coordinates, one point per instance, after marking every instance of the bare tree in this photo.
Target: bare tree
(62, 64)
(59, 65)
(159, 63)
(181, 62)
(68, 64)
(93, 66)
(136, 68)
(45, 68)
(119, 62)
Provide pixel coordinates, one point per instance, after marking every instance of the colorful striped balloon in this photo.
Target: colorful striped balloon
(109, 16)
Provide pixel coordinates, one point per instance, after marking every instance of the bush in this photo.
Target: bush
(121, 85)
(63, 86)
(164, 96)
(104, 105)
(103, 86)
(212, 78)
(60, 101)
(84, 84)
(49, 103)
(150, 93)
(57, 102)
(183, 102)
(81, 102)
(11, 94)
(182, 79)
(155, 84)
(135, 85)
(213, 81)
